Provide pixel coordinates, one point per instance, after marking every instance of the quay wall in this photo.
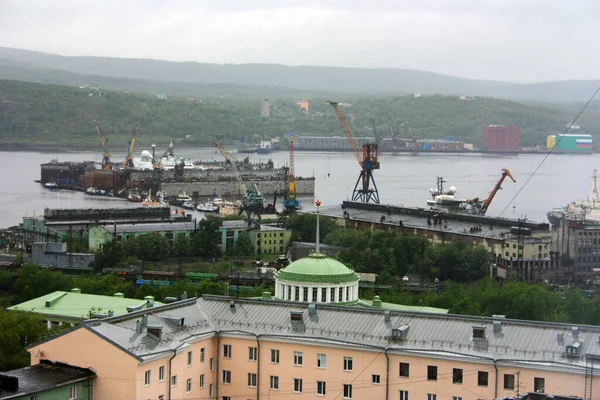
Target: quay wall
(232, 188)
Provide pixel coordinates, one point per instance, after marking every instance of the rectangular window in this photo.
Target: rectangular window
(321, 361)
(297, 385)
(212, 364)
(332, 290)
(456, 398)
(226, 377)
(403, 395)
(509, 381)
(297, 358)
(273, 382)
(202, 354)
(174, 380)
(375, 379)
(404, 370)
(201, 380)
(252, 353)
(539, 385)
(431, 396)
(315, 293)
(226, 351)
(147, 378)
(73, 393)
(305, 294)
(275, 356)
(251, 380)
(161, 373)
(160, 397)
(189, 358)
(210, 391)
(347, 363)
(347, 391)
(188, 385)
(323, 295)
(431, 373)
(321, 388)
(226, 398)
(482, 378)
(457, 375)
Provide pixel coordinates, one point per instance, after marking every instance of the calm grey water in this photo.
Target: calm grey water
(402, 179)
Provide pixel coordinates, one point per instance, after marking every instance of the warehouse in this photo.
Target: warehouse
(570, 143)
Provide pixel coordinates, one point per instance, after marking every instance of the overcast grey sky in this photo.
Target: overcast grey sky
(512, 40)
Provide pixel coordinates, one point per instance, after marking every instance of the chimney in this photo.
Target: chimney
(149, 301)
(387, 316)
(312, 310)
(232, 304)
(138, 326)
(145, 320)
(110, 313)
(575, 332)
(377, 301)
(497, 326)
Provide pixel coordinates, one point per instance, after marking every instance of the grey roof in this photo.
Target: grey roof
(42, 377)
(434, 334)
(155, 227)
(235, 224)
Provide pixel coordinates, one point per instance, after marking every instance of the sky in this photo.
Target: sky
(506, 40)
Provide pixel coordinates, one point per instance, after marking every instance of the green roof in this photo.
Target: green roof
(402, 307)
(317, 268)
(75, 305)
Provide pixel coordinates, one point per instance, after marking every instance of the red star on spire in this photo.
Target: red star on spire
(318, 203)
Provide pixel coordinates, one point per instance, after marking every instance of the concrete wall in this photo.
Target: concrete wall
(232, 188)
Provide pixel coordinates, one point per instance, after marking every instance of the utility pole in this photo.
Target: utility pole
(521, 273)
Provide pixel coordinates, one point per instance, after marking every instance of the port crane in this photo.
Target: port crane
(129, 156)
(481, 207)
(291, 203)
(106, 164)
(365, 189)
(253, 203)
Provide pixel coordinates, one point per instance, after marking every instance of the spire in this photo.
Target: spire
(595, 196)
(317, 241)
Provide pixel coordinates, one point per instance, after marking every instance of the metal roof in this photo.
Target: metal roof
(429, 334)
(155, 227)
(317, 268)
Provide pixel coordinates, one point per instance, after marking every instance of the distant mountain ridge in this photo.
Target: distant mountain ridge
(300, 79)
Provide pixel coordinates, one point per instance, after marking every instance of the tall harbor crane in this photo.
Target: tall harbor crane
(291, 203)
(129, 156)
(481, 207)
(365, 189)
(253, 203)
(106, 164)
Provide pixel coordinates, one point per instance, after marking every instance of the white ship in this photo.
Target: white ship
(439, 197)
(167, 161)
(581, 210)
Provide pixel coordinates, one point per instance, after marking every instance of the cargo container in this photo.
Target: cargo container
(501, 138)
(571, 143)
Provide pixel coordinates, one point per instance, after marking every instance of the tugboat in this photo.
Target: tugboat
(95, 192)
(188, 205)
(50, 185)
(207, 208)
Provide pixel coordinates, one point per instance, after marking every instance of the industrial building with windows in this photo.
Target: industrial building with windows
(570, 143)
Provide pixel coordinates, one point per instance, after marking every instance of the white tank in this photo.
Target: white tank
(452, 189)
(146, 155)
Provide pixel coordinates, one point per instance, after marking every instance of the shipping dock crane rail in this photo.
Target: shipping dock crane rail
(253, 203)
(129, 156)
(106, 164)
(365, 189)
(481, 207)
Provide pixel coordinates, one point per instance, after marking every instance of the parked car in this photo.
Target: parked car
(405, 278)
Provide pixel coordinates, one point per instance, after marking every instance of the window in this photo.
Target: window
(275, 356)
(404, 369)
(212, 364)
(482, 378)
(226, 398)
(321, 361)
(375, 379)
(431, 373)
(160, 397)
(161, 373)
(174, 380)
(202, 354)
(297, 358)
(431, 396)
(509, 381)
(456, 398)
(252, 353)
(403, 395)
(188, 385)
(251, 380)
(226, 377)
(321, 388)
(297, 385)
(210, 391)
(73, 393)
(539, 385)
(273, 382)
(201, 380)
(457, 375)
(189, 358)
(226, 351)
(147, 378)
(347, 363)
(347, 391)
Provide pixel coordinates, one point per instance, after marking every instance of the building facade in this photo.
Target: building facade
(55, 255)
(226, 348)
(501, 138)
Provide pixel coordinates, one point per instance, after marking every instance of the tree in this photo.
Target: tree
(109, 256)
(243, 244)
(181, 248)
(206, 239)
(304, 227)
(35, 282)
(18, 329)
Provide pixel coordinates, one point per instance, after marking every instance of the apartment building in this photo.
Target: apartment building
(223, 348)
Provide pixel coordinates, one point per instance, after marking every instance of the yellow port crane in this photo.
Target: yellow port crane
(129, 156)
(226, 155)
(290, 203)
(365, 189)
(106, 164)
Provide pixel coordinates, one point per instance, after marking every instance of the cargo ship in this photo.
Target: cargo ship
(448, 198)
(587, 210)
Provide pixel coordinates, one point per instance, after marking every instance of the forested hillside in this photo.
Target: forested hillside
(50, 114)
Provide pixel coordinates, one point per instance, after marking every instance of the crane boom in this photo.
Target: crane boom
(347, 131)
(106, 157)
(225, 154)
(129, 156)
(498, 186)
(227, 157)
(291, 173)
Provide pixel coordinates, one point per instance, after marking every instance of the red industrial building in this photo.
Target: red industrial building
(501, 138)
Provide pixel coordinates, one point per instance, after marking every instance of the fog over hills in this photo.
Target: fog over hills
(266, 80)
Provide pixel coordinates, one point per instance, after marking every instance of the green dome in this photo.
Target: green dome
(317, 268)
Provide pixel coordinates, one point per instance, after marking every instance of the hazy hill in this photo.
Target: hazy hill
(34, 113)
(305, 78)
